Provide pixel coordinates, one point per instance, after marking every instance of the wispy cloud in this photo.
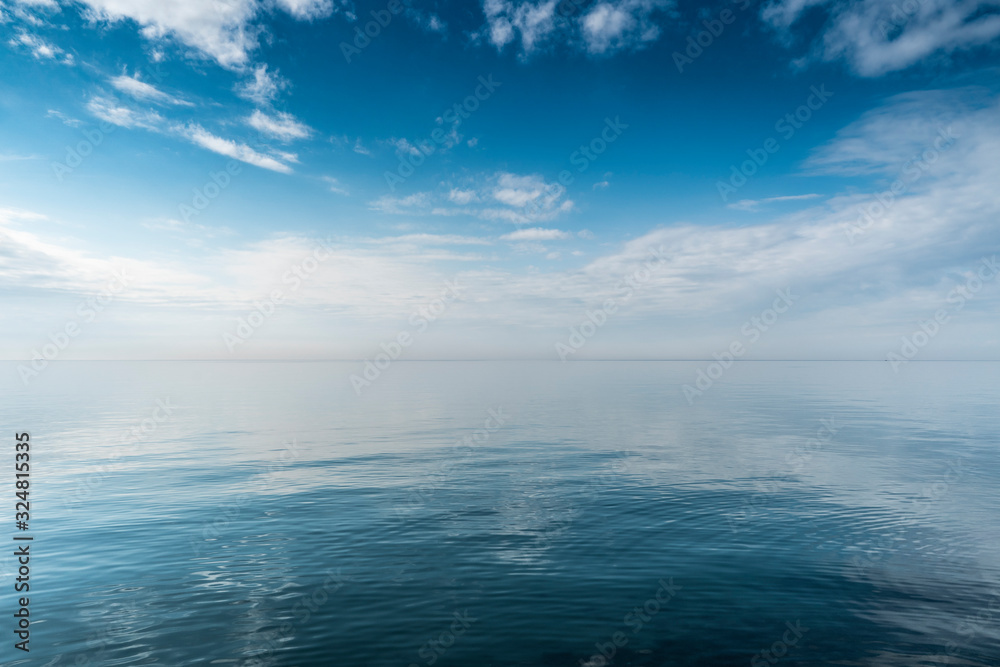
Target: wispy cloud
(500, 196)
(140, 90)
(880, 36)
(930, 239)
(113, 112)
(603, 28)
(307, 10)
(226, 32)
(66, 120)
(283, 126)
(10, 157)
(755, 204)
(537, 234)
(263, 87)
(430, 239)
(335, 186)
(415, 203)
(41, 49)
(884, 138)
(359, 148)
(202, 137)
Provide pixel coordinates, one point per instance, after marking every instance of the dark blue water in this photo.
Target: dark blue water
(796, 514)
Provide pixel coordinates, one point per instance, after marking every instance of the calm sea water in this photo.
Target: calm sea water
(794, 513)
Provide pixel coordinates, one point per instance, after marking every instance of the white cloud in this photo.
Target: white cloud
(219, 29)
(57, 266)
(66, 120)
(307, 9)
(435, 24)
(430, 239)
(754, 204)
(886, 137)
(515, 190)
(335, 186)
(608, 26)
(41, 49)
(880, 36)
(263, 87)
(201, 137)
(282, 125)
(48, 4)
(537, 234)
(502, 196)
(853, 300)
(530, 21)
(529, 197)
(28, 12)
(226, 31)
(359, 148)
(462, 197)
(404, 147)
(401, 205)
(140, 90)
(111, 111)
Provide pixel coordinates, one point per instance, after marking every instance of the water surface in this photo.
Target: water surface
(268, 515)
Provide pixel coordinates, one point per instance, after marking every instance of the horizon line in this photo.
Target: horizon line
(213, 360)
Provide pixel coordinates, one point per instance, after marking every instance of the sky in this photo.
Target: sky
(602, 179)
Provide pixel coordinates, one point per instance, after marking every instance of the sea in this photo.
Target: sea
(504, 513)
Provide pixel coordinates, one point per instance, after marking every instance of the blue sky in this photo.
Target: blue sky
(216, 153)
